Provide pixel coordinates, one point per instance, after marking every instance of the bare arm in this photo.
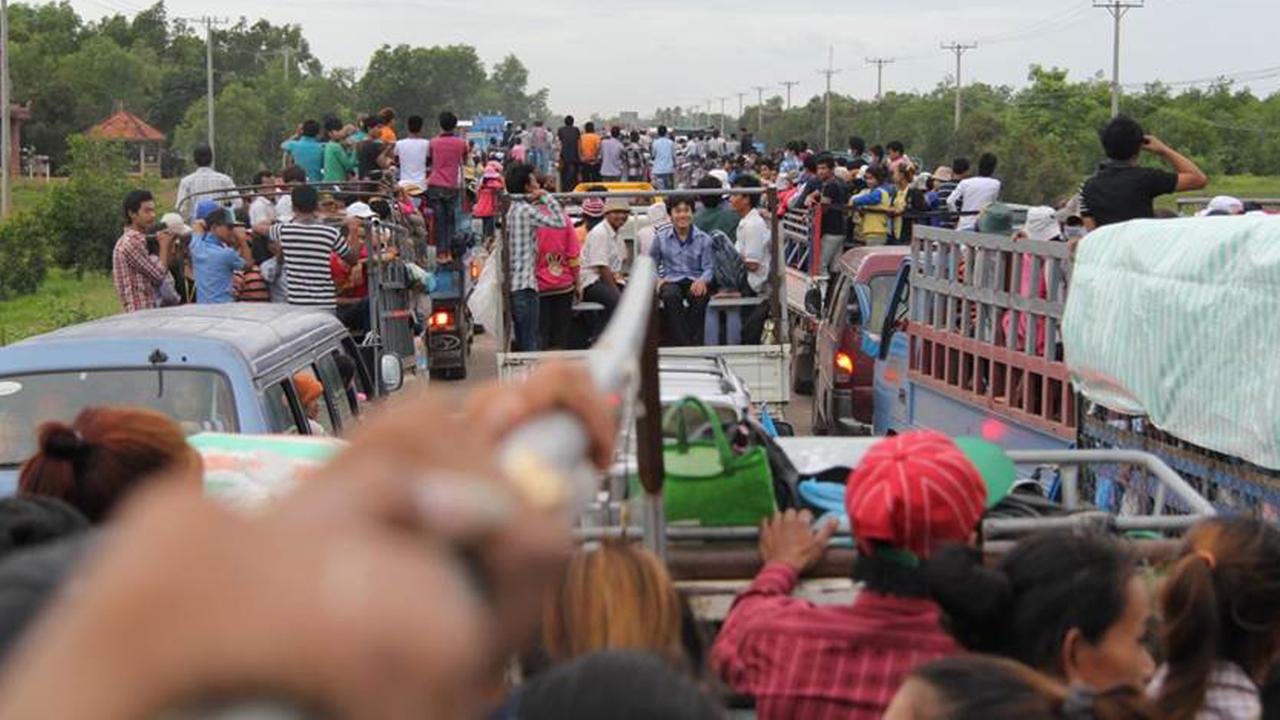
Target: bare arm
(1190, 176)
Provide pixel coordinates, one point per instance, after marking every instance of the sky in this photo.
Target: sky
(604, 57)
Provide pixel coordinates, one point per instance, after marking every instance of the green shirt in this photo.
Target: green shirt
(338, 162)
(721, 218)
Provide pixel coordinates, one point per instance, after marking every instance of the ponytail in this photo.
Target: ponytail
(975, 599)
(1191, 635)
(54, 469)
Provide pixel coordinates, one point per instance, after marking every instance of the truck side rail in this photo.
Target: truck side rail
(985, 323)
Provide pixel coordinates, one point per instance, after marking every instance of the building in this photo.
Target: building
(142, 141)
(629, 118)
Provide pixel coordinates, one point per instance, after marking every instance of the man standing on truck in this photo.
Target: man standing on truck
(198, 185)
(664, 161)
(1122, 190)
(136, 272)
(976, 193)
(307, 150)
(568, 135)
(447, 152)
(540, 148)
(686, 266)
(216, 254)
(589, 153)
(832, 196)
(303, 244)
(536, 210)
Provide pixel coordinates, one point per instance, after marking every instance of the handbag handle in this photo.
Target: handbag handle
(682, 430)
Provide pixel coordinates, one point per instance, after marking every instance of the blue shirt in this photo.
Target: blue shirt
(214, 264)
(688, 260)
(664, 156)
(308, 154)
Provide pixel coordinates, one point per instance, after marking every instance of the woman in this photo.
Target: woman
(557, 275)
(1222, 621)
(614, 597)
(875, 205)
(909, 199)
(985, 688)
(103, 455)
(1071, 606)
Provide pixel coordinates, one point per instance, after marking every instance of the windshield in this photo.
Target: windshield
(198, 400)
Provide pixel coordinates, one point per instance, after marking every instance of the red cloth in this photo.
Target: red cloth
(487, 205)
(342, 272)
(915, 491)
(558, 256)
(447, 154)
(806, 661)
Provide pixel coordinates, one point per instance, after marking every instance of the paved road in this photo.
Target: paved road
(484, 367)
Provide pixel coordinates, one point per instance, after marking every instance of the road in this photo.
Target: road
(484, 367)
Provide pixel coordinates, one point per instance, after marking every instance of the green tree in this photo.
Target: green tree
(82, 217)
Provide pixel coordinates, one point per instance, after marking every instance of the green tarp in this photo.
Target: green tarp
(1179, 320)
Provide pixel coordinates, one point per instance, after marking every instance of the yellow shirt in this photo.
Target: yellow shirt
(875, 225)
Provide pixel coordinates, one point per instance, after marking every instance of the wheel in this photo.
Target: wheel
(801, 366)
(458, 373)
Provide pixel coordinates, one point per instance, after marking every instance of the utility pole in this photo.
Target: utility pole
(831, 70)
(209, 23)
(1117, 8)
(722, 101)
(706, 117)
(879, 63)
(740, 96)
(959, 49)
(6, 150)
(788, 84)
(759, 106)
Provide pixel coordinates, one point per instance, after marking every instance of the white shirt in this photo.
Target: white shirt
(197, 186)
(413, 153)
(753, 246)
(973, 195)
(602, 248)
(262, 210)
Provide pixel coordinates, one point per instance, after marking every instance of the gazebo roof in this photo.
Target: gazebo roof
(124, 125)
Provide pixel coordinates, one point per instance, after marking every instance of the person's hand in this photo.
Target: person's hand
(165, 238)
(353, 223)
(789, 537)
(1154, 145)
(699, 288)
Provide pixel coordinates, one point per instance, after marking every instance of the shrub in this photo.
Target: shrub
(22, 245)
(82, 216)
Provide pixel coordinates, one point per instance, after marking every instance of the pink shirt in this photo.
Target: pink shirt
(447, 153)
(558, 256)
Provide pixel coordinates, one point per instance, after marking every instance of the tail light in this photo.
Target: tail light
(844, 366)
(440, 320)
(475, 271)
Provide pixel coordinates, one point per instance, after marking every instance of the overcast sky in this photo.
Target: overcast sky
(601, 56)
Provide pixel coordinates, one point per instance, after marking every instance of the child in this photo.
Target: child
(486, 207)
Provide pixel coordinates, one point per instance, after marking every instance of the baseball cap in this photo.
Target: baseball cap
(915, 492)
(204, 207)
(360, 210)
(173, 223)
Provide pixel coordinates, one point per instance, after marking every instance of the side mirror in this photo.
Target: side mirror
(813, 301)
(392, 374)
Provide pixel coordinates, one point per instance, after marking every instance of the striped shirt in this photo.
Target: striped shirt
(306, 247)
(806, 661)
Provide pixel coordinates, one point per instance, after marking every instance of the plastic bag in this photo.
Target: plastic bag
(485, 302)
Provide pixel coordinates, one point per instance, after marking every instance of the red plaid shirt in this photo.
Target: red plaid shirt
(137, 274)
(806, 661)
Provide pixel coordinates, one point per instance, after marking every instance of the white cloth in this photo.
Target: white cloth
(753, 245)
(603, 248)
(1231, 694)
(284, 208)
(973, 195)
(197, 186)
(262, 209)
(413, 153)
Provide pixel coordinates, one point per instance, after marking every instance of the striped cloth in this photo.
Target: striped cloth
(250, 286)
(306, 247)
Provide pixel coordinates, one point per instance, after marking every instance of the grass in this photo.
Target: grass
(62, 300)
(1241, 186)
(26, 192)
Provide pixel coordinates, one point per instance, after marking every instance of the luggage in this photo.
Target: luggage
(707, 482)
(730, 273)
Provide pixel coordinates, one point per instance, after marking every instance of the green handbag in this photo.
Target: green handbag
(706, 482)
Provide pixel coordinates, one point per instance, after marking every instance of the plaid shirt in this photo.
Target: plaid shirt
(804, 661)
(198, 186)
(136, 273)
(523, 221)
(1231, 694)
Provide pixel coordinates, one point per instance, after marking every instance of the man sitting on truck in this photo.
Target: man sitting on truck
(752, 242)
(685, 268)
(1122, 190)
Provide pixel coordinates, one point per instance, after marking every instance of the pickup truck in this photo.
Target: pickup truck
(221, 368)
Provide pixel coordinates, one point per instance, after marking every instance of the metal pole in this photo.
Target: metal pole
(649, 439)
(208, 68)
(6, 152)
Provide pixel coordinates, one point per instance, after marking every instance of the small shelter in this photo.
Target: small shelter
(143, 141)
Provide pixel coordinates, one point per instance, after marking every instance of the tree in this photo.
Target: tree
(82, 218)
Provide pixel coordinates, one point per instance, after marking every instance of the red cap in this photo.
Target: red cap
(916, 491)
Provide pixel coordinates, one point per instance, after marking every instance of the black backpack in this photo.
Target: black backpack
(730, 273)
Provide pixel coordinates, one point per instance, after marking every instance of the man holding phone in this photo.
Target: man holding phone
(1123, 190)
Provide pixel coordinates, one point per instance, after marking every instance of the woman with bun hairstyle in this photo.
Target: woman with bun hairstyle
(1068, 605)
(1221, 606)
(94, 462)
(976, 687)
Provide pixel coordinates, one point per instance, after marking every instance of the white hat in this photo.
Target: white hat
(721, 175)
(1223, 205)
(1042, 224)
(174, 224)
(360, 210)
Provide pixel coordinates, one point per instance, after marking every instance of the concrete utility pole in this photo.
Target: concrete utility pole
(209, 23)
(831, 70)
(759, 107)
(959, 49)
(1117, 8)
(788, 84)
(740, 96)
(880, 63)
(6, 151)
(722, 101)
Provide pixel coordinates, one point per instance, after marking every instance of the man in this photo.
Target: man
(976, 193)
(752, 241)
(637, 159)
(537, 210)
(613, 156)
(568, 135)
(1121, 190)
(664, 161)
(685, 268)
(602, 257)
(540, 148)
(734, 146)
(216, 255)
(386, 128)
(949, 181)
(910, 496)
(897, 154)
(263, 207)
(715, 215)
(831, 196)
(589, 153)
(339, 160)
(198, 185)
(136, 273)
(748, 141)
(412, 153)
(447, 153)
(716, 145)
(306, 150)
(791, 159)
(857, 152)
(303, 245)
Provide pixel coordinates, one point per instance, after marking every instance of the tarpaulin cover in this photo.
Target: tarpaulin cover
(1179, 320)
(250, 471)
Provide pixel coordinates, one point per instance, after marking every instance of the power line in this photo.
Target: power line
(1117, 9)
(959, 49)
(1241, 76)
(830, 71)
(788, 84)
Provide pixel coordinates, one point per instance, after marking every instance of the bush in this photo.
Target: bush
(82, 217)
(24, 251)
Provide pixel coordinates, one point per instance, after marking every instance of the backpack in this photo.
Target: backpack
(729, 272)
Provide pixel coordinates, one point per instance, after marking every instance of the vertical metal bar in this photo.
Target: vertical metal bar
(1070, 475)
(649, 463)
(781, 323)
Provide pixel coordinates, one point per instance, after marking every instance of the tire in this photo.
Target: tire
(801, 379)
(818, 426)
